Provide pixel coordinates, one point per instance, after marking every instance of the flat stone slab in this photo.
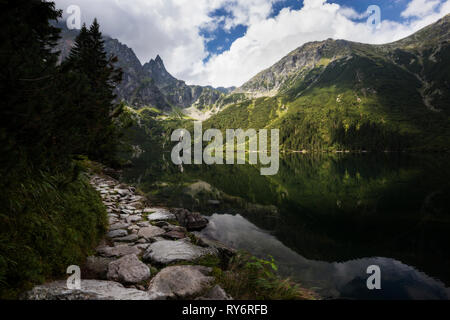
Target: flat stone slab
(90, 290)
(166, 252)
(117, 252)
(117, 226)
(117, 233)
(159, 214)
(150, 232)
(128, 270)
(130, 238)
(180, 282)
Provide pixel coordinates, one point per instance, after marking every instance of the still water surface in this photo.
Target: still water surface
(326, 218)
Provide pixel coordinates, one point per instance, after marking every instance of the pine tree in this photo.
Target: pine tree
(95, 70)
(28, 64)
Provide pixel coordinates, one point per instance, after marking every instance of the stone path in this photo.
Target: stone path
(142, 240)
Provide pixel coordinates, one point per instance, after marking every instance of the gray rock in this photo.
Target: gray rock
(112, 220)
(160, 214)
(96, 268)
(193, 221)
(150, 232)
(117, 252)
(225, 252)
(144, 224)
(117, 233)
(134, 219)
(175, 235)
(126, 212)
(180, 282)
(90, 290)
(128, 270)
(216, 294)
(117, 226)
(130, 238)
(166, 252)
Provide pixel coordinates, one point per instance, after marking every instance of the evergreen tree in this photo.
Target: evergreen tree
(89, 60)
(29, 73)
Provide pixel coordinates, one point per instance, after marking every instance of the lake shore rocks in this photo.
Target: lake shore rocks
(90, 290)
(141, 237)
(167, 252)
(180, 282)
(128, 270)
(192, 221)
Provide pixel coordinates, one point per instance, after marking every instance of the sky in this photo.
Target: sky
(225, 43)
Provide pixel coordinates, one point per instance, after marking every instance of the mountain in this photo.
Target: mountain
(149, 84)
(342, 95)
(177, 92)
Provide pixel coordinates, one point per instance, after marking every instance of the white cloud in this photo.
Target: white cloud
(420, 8)
(171, 28)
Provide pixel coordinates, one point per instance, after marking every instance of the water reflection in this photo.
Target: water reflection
(326, 218)
(331, 280)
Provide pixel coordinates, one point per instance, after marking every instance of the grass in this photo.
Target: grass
(249, 278)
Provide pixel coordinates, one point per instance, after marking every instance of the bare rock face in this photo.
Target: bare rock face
(180, 282)
(192, 221)
(128, 270)
(90, 290)
(166, 252)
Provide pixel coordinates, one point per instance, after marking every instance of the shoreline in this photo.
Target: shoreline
(147, 250)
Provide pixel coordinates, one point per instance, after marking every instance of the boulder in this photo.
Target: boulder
(192, 221)
(159, 214)
(166, 252)
(180, 282)
(225, 252)
(90, 290)
(128, 270)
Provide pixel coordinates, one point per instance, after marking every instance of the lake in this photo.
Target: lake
(325, 218)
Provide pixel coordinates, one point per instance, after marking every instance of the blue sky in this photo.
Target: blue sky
(220, 40)
(226, 42)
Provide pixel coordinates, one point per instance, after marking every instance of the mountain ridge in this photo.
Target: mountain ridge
(342, 95)
(150, 84)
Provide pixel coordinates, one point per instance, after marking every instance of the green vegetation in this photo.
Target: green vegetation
(355, 97)
(249, 278)
(50, 217)
(51, 223)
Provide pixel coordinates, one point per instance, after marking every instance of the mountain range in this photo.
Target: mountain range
(332, 94)
(148, 85)
(343, 95)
